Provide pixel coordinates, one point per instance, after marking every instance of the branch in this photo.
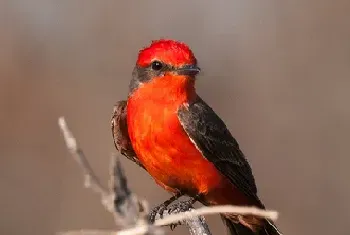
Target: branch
(189, 215)
(129, 212)
(127, 209)
(241, 210)
(91, 180)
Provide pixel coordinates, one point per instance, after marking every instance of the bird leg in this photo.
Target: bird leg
(162, 207)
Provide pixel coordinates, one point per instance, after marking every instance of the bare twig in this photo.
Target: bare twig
(130, 212)
(272, 215)
(127, 209)
(184, 216)
(91, 181)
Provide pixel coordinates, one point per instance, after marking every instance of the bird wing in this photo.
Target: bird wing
(212, 138)
(120, 132)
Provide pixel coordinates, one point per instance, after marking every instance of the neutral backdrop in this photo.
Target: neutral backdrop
(277, 72)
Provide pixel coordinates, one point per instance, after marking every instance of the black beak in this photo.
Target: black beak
(190, 70)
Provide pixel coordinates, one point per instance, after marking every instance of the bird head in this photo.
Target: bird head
(164, 60)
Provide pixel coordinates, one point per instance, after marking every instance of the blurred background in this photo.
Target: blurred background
(277, 72)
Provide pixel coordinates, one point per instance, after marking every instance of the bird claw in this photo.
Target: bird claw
(174, 225)
(157, 210)
(161, 208)
(160, 211)
(181, 206)
(178, 207)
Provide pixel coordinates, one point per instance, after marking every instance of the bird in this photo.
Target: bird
(166, 128)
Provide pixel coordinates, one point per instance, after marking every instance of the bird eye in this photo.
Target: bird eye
(156, 65)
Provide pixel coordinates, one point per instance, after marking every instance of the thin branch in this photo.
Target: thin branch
(241, 210)
(127, 209)
(91, 180)
(173, 218)
(131, 213)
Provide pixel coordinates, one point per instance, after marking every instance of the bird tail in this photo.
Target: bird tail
(236, 228)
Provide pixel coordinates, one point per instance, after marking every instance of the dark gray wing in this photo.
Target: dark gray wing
(214, 140)
(120, 132)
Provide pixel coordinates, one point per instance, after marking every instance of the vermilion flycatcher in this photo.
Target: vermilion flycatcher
(167, 129)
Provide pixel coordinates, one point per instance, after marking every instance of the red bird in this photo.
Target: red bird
(181, 142)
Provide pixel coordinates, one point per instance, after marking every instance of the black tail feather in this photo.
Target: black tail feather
(239, 229)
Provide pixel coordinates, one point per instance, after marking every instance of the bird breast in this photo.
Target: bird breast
(164, 148)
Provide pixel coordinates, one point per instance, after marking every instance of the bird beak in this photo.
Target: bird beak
(188, 70)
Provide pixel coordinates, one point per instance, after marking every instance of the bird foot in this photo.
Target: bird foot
(178, 207)
(157, 210)
(181, 206)
(161, 208)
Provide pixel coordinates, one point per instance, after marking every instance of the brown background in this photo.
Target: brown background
(276, 71)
